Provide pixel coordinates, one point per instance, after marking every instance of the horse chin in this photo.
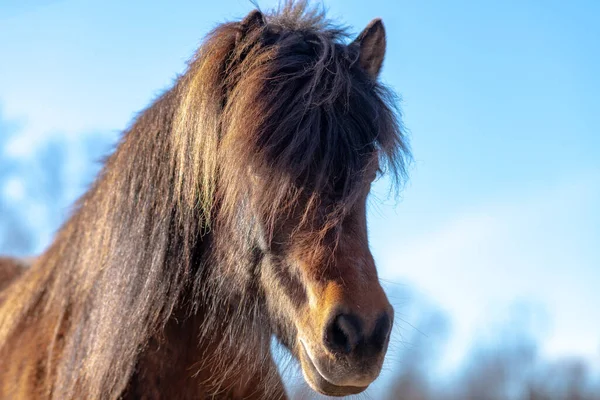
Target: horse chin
(318, 382)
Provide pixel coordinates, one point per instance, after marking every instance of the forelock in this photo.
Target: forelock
(302, 115)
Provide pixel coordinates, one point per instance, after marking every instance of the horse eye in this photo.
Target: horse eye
(376, 175)
(339, 184)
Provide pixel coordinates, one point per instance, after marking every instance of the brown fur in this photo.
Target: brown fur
(174, 270)
(10, 269)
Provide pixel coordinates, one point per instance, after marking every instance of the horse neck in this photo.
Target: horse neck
(182, 362)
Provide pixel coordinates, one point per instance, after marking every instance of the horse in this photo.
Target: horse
(231, 212)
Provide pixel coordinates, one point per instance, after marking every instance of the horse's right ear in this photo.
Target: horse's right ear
(254, 20)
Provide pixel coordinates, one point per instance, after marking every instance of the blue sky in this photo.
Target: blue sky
(500, 100)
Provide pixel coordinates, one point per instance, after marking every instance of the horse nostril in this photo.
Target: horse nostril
(381, 331)
(343, 333)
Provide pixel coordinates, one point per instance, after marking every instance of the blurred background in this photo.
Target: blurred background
(491, 255)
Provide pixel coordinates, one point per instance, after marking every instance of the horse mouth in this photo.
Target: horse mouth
(318, 382)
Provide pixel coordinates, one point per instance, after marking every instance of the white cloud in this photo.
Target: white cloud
(14, 189)
(532, 248)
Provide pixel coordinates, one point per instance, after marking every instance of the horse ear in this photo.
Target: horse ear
(254, 20)
(371, 43)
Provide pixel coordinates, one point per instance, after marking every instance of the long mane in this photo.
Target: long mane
(164, 230)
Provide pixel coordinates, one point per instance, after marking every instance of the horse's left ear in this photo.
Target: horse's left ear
(371, 43)
(254, 20)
